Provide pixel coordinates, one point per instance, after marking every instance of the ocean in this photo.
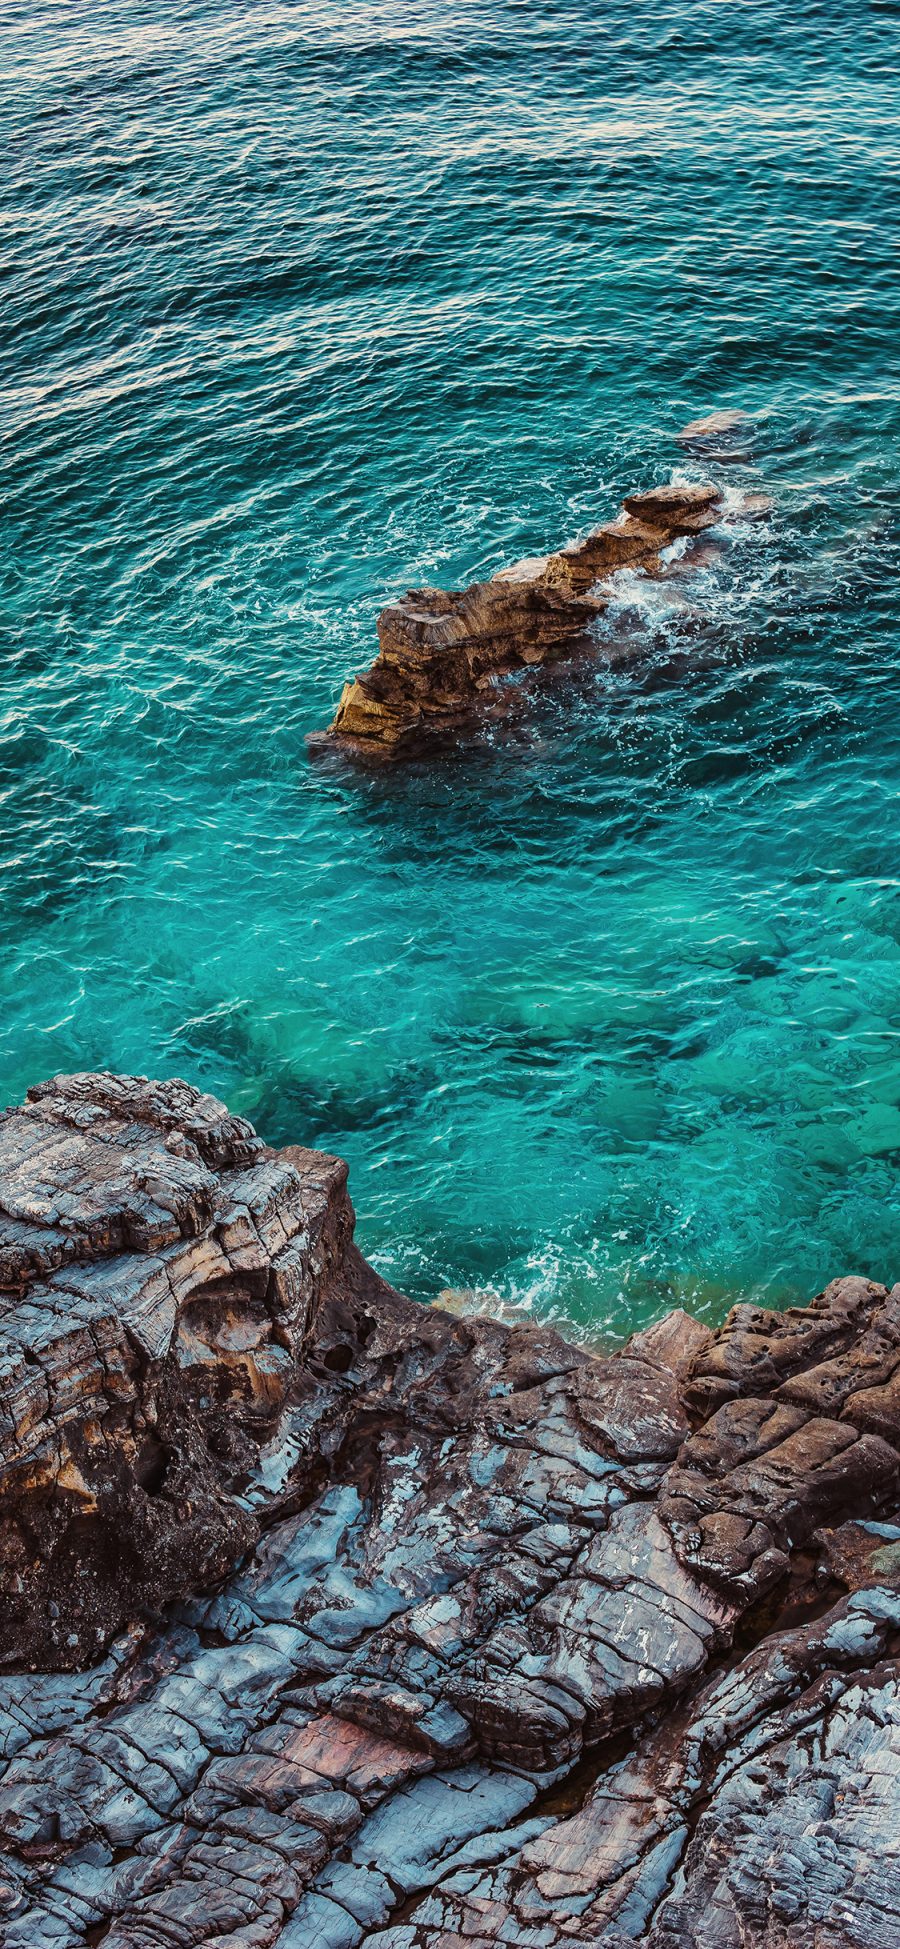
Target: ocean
(306, 304)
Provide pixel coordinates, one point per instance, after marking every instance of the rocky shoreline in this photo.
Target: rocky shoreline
(331, 1620)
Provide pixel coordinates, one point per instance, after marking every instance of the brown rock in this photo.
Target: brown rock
(861, 1553)
(676, 1341)
(159, 1273)
(686, 505)
(443, 655)
(460, 1652)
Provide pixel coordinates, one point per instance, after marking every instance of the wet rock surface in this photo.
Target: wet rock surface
(158, 1274)
(725, 435)
(444, 656)
(329, 1619)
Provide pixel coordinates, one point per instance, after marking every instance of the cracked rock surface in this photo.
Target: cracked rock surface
(331, 1620)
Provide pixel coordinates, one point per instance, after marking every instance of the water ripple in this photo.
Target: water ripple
(304, 304)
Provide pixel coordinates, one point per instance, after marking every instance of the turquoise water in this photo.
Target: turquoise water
(304, 304)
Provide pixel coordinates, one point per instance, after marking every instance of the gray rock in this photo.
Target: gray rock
(506, 1643)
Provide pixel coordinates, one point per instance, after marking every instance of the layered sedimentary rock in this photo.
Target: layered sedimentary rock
(334, 1620)
(158, 1274)
(443, 655)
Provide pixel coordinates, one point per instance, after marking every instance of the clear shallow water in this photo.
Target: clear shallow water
(304, 304)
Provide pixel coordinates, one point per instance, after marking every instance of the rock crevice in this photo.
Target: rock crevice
(329, 1619)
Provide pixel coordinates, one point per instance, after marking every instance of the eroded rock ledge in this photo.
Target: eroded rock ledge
(442, 654)
(332, 1620)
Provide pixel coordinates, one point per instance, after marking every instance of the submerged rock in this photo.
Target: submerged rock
(723, 435)
(331, 1619)
(442, 654)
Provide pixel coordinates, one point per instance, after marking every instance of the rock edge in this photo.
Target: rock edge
(443, 655)
(329, 1619)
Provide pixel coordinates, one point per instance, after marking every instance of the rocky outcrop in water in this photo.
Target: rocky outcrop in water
(332, 1620)
(443, 655)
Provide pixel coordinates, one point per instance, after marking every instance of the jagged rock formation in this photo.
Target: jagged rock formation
(718, 435)
(402, 1629)
(442, 655)
(158, 1271)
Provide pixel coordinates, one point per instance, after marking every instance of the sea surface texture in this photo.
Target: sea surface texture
(304, 304)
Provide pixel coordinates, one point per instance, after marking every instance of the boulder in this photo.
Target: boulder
(445, 657)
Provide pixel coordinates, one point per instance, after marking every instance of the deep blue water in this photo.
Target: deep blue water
(303, 304)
